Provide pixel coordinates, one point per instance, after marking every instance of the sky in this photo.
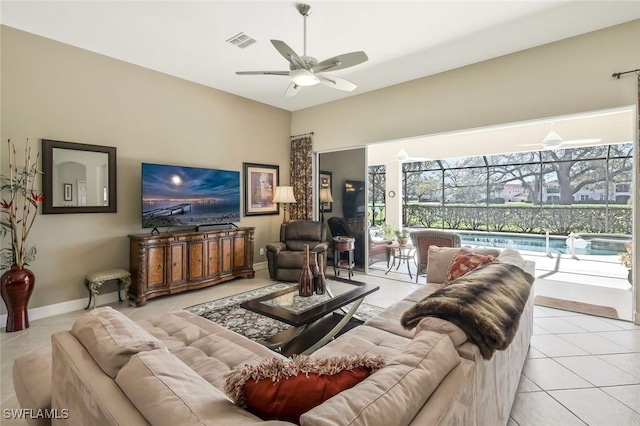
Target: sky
(176, 182)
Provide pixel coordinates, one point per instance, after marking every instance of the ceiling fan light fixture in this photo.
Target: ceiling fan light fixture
(402, 155)
(303, 77)
(552, 139)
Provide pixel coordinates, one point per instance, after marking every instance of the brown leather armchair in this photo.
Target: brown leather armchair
(284, 257)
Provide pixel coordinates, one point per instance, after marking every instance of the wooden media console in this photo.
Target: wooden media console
(174, 262)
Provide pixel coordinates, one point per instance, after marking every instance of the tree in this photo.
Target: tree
(579, 168)
(377, 182)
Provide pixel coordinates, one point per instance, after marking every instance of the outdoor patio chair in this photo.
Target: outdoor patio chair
(431, 237)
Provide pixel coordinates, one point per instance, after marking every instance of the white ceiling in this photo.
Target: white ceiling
(404, 40)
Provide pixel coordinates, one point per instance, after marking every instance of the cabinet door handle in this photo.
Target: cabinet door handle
(211, 259)
(160, 266)
(174, 264)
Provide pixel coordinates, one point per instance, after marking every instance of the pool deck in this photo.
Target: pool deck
(597, 270)
(594, 279)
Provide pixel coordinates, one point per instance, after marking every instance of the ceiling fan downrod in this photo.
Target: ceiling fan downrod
(304, 10)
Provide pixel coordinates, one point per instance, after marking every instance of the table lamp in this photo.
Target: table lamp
(284, 196)
(325, 197)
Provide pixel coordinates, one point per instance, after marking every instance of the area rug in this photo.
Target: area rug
(583, 308)
(228, 313)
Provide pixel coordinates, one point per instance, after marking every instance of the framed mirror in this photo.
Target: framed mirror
(78, 178)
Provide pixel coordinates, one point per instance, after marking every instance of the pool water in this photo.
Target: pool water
(557, 244)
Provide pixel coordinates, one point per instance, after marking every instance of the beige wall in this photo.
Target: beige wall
(55, 91)
(568, 76)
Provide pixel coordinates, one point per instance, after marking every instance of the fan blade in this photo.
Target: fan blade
(341, 62)
(577, 141)
(292, 90)
(289, 54)
(262, 73)
(337, 83)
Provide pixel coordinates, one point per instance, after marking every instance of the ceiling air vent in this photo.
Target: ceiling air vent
(241, 40)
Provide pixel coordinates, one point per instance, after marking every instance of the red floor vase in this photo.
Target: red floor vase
(16, 288)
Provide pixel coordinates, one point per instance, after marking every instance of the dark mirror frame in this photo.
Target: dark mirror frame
(47, 177)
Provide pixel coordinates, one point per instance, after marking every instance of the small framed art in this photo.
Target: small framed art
(260, 181)
(68, 194)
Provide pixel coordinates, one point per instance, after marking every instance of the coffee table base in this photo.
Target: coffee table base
(307, 339)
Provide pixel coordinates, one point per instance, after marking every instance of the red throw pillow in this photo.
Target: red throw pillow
(278, 389)
(464, 262)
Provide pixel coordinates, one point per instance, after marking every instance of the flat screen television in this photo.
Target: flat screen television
(353, 203)
(188, 196)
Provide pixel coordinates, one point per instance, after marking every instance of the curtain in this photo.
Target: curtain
(302, 176)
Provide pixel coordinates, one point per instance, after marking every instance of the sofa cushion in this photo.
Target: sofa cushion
(284, 389)
(394, 394)
(112, 338)
(423, 292)
(206, 347)
(168, 392)
(389, 319)
(440, 259)
(463, 262)
(32, 375)
(511, 257)
(364, 339)
(438, 325)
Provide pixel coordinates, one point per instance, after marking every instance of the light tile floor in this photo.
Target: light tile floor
(580, 369)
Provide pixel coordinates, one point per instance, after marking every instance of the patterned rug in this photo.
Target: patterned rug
(228, 313)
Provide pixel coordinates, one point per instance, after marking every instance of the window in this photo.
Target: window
(475, 192)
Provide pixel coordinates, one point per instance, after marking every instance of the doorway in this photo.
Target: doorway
(563, 276)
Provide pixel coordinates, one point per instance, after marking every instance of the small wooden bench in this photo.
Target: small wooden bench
(94, 281)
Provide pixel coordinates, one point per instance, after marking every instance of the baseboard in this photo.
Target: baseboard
(64, 307)
(78, 304)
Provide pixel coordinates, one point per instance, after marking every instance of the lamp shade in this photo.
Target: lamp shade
(325, 195)
(284, 194)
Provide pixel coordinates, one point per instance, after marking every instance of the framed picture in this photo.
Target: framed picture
(68, 194)
(260, 181)
(325, 181)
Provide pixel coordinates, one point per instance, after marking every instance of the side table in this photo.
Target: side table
(400, 253)
(343, 248)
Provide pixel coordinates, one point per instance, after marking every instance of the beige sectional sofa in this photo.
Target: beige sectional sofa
(170, 370)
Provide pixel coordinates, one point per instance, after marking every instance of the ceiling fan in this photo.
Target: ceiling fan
(554, 141)
(306, 70)
(403, 157)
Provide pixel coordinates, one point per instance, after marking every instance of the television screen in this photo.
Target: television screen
(188, 196)
(353, 203)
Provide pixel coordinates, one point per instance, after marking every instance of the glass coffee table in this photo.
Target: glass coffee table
(312, 318)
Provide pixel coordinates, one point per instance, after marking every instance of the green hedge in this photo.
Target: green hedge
(558, 220)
